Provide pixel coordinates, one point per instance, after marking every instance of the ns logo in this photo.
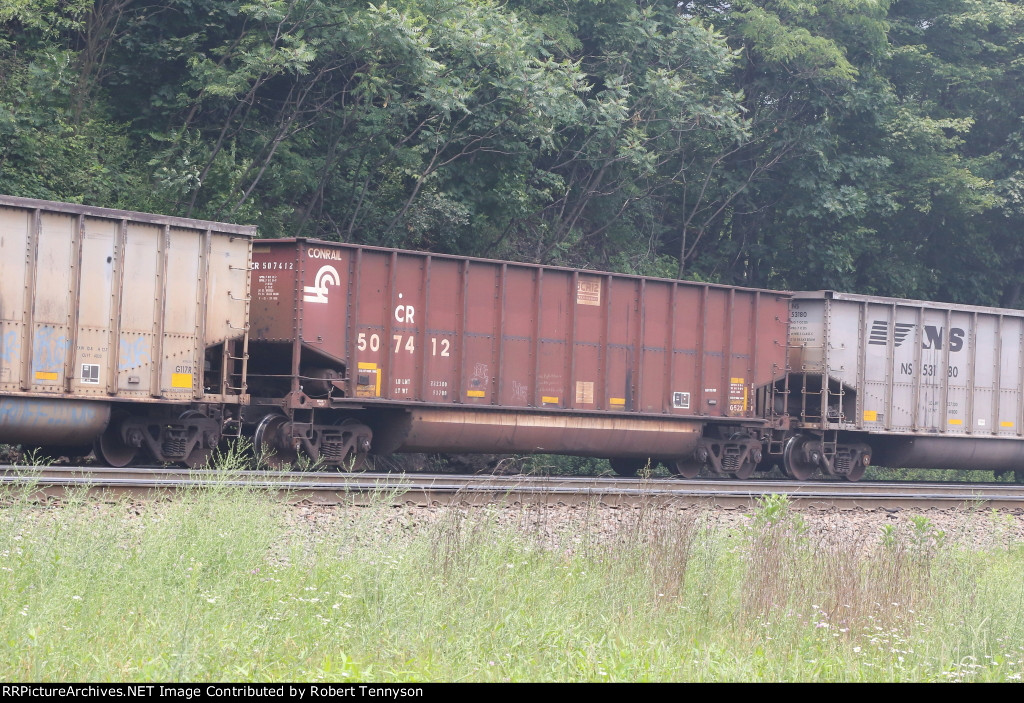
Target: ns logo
(933, 337)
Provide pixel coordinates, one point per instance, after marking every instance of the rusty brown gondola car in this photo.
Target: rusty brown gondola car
(357, 349)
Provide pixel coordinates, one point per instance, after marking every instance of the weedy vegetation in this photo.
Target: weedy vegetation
(233, 584)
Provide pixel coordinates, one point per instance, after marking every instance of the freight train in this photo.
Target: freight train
(154, 338)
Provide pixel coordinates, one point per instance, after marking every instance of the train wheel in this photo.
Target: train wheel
(857, 472)
(198, 457)
(627, 467)
(686, 468)
(746, 469)
(111, 449)
(799, 458)
(270, 447)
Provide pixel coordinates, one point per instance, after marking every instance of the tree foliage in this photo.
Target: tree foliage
(865, 145)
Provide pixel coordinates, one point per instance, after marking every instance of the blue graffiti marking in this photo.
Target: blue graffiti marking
(8, 347)
(48, 350)
(43, 414)
(133, 353)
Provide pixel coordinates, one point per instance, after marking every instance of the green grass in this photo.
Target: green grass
(230, 584)
(939, 475)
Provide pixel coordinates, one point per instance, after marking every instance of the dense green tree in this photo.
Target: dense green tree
(960, 62)
(866, 145)
(877, 188)
(657, 121)
(47, 149)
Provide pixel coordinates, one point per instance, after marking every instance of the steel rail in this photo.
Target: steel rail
(427, 489)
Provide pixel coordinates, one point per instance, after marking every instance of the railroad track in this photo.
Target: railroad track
(427, 489)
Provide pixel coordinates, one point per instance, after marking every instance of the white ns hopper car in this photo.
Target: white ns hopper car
(899, 383)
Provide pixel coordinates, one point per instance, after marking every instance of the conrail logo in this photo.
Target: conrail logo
(326, 276)
(932, 338)
(324, 254)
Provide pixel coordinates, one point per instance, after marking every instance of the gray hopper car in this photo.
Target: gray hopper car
(898, 383)
(120, 328)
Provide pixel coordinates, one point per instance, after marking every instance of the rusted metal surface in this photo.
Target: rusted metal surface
(428, 330)
(522, 432)
(109, 305)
